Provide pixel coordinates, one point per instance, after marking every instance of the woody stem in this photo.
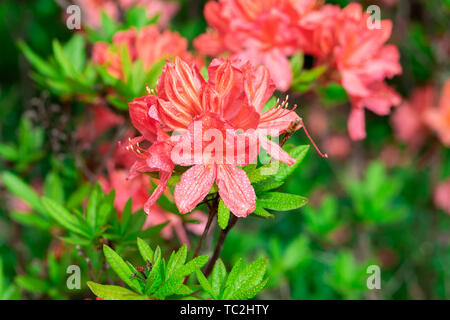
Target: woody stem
(212, 212)
(223, 235)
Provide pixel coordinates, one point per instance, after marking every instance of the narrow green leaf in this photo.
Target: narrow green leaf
(37, 62)
(145, 250)
(121, 268)
(223, 215)
(206, 285)
(64, 63)
(22, 190)
(108, 292)
(192, 265)
(281, 201)
(91, 210)
(32, 284)
(64, 217)
(53, 187)
(31, 220)
(178, 260)
(298, 154)
(246, 279)
(217, 277)
(261, 212)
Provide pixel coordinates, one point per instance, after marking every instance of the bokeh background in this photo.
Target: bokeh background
(381, 201)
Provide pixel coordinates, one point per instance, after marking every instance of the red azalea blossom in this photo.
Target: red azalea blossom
(364, 61)
(229, 104)
(263, 32)
(268, 32)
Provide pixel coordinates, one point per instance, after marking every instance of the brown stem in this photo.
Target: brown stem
(223, 235)
(212, 212)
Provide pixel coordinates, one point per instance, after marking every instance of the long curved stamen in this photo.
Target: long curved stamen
(323, 155)
(278, 111)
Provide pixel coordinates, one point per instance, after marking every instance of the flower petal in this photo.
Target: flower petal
(164, 176)
(276, 151)
(139, 114)
(193, 187)
(278, 120)
(236, 190)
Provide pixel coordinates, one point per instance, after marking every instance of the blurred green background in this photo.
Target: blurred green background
(372, 206)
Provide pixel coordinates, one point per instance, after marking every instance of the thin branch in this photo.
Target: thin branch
(222, 237)
(212, 213)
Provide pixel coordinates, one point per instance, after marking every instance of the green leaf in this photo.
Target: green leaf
(62, 60)
(31, 220)
(54, 188)
(21, 190)
(261, 212)
(145, 250)
(156, 276)
(108, 292)
(298, 153)
(32, 284)
(121, 268)
(238, 266)
(192, 265)
(105, 210)
(206, 285)
(154, 73)
(178, 260)
(246, 280)
(8, 152)
(91, 211)
(75, 50)
(333, 94)
(137, 17)
(217, 277)
(281, 201)
(297, 61)
(37, 62)
(78, 196)
(223, 215)
(64, 217)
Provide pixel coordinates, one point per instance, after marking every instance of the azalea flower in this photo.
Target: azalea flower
(262, 32)
(438, 119)
(318, 32)
(364, 61)
(147, 44)
(408, 118)
(230, 105)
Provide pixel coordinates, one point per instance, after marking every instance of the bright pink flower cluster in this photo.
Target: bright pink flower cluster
(268, 32)
(147, 44)
(261, 31)
(222, 124)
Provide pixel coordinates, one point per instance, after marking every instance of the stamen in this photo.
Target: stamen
(323, 155)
